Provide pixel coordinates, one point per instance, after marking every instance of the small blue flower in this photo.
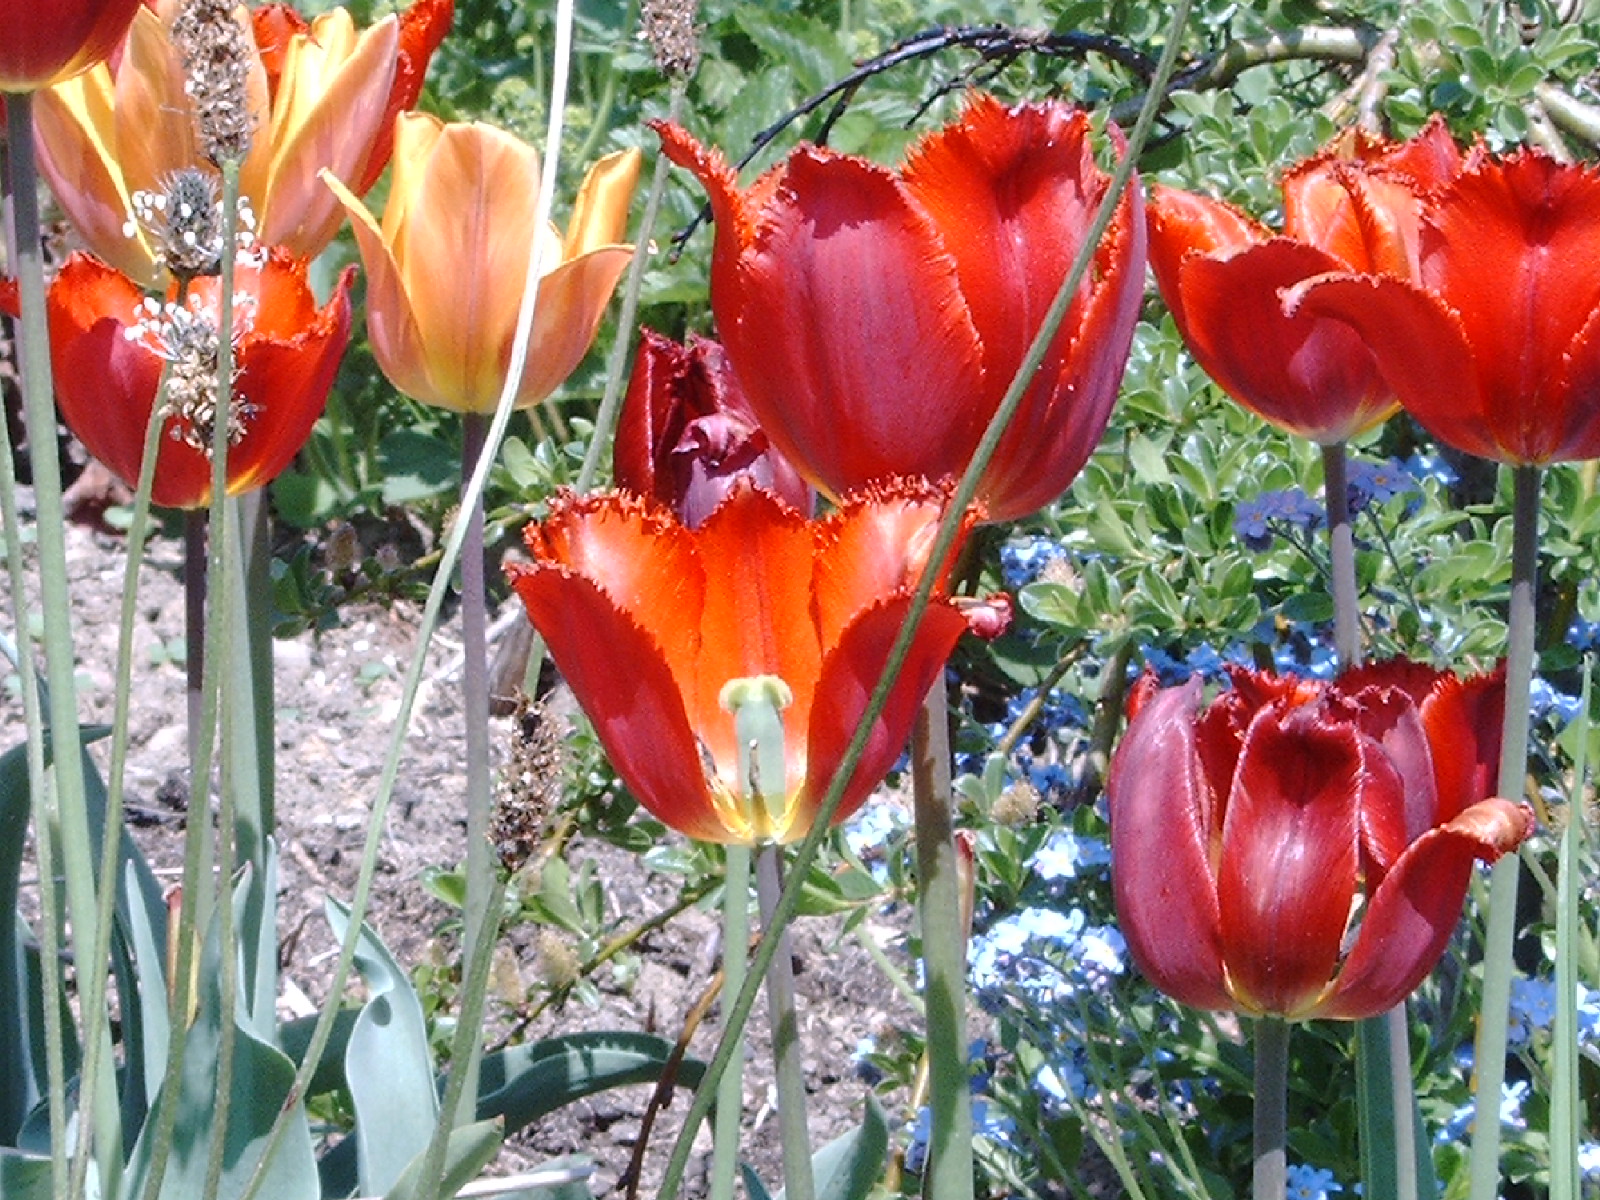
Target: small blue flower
(1533, 1006)
(1066, 855)
(1378, 483)
(1431, 466)
(1544, 699)
(1589, 1158)
(1022, 559)
(1311, 1183)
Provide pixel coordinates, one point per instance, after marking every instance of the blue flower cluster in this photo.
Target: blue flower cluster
(1043, 956)
(1533, 1008)
(1066, 855)
(1023, 559)
(1259, 522)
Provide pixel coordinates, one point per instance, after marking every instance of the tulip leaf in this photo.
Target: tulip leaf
(471, 1148)
(416, 466)
(387, 1066)
(24, 1177)
(846, 1168)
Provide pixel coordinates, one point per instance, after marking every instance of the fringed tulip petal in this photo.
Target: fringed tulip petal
(1415, 910)
(1163, 820)
(887, 338)
(422, 29)
(1182, 225)
(636, 711)
(1464, 719)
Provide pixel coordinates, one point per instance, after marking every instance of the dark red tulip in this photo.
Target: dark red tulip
(1303, 849)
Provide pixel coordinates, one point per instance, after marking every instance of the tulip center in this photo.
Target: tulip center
(757, 703)
(186, 338)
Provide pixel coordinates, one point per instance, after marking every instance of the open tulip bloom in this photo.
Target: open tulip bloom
(1299, 849)
(323, 97)
(876, 318)
(109, 345)
(758, 599)
(446, 267)
(1495, 346)
(1355, 209)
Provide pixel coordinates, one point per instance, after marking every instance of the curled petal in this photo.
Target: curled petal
(1414, 911)
(572, 300)
(41, 47)
(1166, 888)
(1182, 225)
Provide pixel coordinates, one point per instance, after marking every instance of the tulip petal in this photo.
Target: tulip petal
(1166, 894)
(637, 713)
(1308, 375)
(1420, 347)
(1511, 247)
(422, 28)
(1464, 719)
(600, 213)
(1287, 873)
(848, 676)
(41, 47)
(1415, 910)
(1369, 222)
(332, 103)
(876, 545)
(392, 329)
(887, 339)
(572, 301)
(1569, 428)
(757, 620)
(1182, 224)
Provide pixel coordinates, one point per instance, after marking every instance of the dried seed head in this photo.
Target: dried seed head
(1018, 805)
(184, 224)
(674, 38)
(559, 965)
(530, 787)
(187, 338)
(216, 52)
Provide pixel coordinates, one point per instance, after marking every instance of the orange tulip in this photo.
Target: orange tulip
(755, 592)
(109, 345)
(876, 318)
(1352, 208)
(1495, 348)
(327, 104)
(42, 47)
(446, 268)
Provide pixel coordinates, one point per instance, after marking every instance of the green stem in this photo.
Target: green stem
(475, 705)
(34, 343)
(194, 618)
(735, 959)
(798, 1183)
(256, 754)
(943, 544)
(948, 1175)
(1490, 1051)
(99, 1116)
(1342, 557)
(1269, 1180)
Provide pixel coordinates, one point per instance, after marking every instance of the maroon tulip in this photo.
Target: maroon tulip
(687, 435)
(1302, 849)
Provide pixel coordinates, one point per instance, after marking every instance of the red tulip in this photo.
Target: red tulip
(40, 48)
(875, 319)
(108, 349)
(1352, 208)
(1495, 348)
(650, 621)
(1302, 849)
(687, 436)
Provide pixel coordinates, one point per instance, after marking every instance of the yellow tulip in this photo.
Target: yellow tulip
(446, 269)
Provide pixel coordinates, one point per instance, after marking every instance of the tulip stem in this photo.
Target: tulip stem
(475, 707)
(944, 955)
(1489, 1056)
(194, 620)
(1342, 557)
(798, 1183)
(735, 961)
(63, 806)
(32, 345)
(1270, 1178)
